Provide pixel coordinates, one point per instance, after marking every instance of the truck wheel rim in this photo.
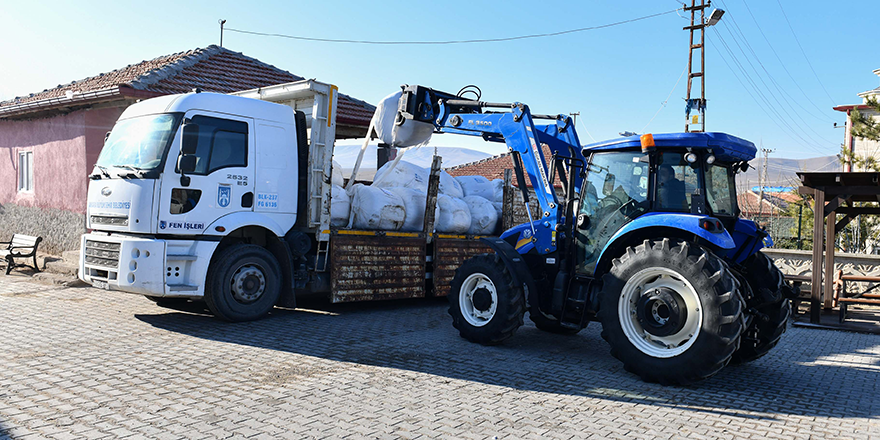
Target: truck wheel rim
(248, 283)
(660, 312)
(478, 299)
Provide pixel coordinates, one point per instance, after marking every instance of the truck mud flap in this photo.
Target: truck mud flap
(368, 266)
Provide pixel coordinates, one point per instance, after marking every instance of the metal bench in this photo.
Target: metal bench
(21, 246)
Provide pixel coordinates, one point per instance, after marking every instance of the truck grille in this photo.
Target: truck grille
(109, 220)
(102, 254)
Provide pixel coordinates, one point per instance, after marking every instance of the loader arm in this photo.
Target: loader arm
(513, 124)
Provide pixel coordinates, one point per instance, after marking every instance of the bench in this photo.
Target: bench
(842, 298)
(21, 246)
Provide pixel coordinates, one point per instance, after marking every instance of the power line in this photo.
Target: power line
(764, 107)
(781, 63)
(803, 52)
(792, 131)
(485, 40)
(773, 81)
(663, 105)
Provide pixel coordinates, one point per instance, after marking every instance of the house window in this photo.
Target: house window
(26, 171)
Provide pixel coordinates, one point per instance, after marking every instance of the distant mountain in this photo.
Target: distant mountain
(347, 155)
(782, 172)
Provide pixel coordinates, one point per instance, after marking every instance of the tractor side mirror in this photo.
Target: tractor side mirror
(190, 140)
(608, 187)
(583, 222)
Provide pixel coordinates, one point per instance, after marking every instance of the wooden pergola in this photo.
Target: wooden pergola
(834, 193)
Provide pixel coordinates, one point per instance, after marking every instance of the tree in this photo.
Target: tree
(865, 127)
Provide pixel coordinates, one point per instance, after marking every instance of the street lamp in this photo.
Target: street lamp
(715, 17)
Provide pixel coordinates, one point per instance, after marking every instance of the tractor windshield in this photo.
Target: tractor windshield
(720, 189)
(615, 193)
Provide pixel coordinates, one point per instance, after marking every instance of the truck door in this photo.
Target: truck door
(222, 182)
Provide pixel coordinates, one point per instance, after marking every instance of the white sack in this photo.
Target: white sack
(476, 186)
(414, 202)
(497, 190)
(453, 215)
(484, 219)
(336, 176)
(403, 174)
(376, 209)
(450, 186)
(409, 134)
(340, 206)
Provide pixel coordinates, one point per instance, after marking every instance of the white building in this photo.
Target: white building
(861, 147)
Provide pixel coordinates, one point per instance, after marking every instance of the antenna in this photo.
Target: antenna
(222, 22)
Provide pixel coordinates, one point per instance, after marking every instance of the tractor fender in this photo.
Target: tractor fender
(689, 223)
(516, 265)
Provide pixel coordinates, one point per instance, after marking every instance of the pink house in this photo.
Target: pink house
(49, 141)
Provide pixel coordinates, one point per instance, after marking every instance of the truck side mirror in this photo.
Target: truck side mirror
(190, 140)
(186, 164)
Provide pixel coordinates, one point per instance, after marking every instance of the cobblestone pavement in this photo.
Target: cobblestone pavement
(84, 363)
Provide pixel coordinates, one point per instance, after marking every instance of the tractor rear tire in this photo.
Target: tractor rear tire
(243, 283)
(671, 312)
(487, 307)
(549, 324)
(771, 302)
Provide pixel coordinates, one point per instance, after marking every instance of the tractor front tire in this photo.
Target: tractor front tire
(486, 305)
(671, 311)
(771, 303)
(243, 283)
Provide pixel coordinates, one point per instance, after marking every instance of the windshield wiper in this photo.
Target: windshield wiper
(98, 176)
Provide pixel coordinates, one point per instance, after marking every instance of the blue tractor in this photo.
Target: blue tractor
(640, 233)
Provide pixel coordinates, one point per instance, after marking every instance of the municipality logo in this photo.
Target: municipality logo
(224, 194)
(162, 224)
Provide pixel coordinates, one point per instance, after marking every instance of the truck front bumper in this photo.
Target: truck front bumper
(147, 266)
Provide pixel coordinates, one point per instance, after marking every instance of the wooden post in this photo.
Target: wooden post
(507, 208)
(431, 201)
(816, 276)
(829, 259)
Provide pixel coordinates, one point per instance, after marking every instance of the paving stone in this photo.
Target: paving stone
(86, 363)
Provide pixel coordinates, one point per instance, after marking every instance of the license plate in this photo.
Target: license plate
(101, 285)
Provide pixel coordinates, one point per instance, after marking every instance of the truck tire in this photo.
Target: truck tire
(486, 305)
(671, 312)
(550, 324)
(243, 283)
(771, 303)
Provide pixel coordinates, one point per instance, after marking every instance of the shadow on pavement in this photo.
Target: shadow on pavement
(799, 377)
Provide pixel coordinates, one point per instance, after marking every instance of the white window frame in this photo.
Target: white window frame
(26, 171)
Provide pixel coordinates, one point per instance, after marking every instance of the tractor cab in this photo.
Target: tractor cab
(674, 176)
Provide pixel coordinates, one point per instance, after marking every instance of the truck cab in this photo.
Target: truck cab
(181, 175)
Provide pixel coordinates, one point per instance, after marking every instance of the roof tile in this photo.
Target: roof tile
(213, 69)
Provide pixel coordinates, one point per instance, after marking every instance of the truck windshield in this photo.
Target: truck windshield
(139, 142)
(720, 189)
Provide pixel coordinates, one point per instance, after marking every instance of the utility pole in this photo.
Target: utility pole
(693, 104)
(222, 22)
(575, 116)
(763, 179)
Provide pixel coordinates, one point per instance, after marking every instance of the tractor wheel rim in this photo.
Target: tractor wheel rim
(248, 283)
(645, 330)
(478, 299)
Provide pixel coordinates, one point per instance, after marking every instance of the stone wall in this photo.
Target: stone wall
(60, 229)
(794, 262)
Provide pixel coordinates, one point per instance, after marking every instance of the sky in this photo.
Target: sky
(759, 84)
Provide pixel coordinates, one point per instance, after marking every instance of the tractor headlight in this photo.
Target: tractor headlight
(710, 159)
(690, 157)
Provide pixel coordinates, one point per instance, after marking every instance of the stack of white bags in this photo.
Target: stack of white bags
(396, 202)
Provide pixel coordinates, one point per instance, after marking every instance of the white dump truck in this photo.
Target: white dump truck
(227, 198)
